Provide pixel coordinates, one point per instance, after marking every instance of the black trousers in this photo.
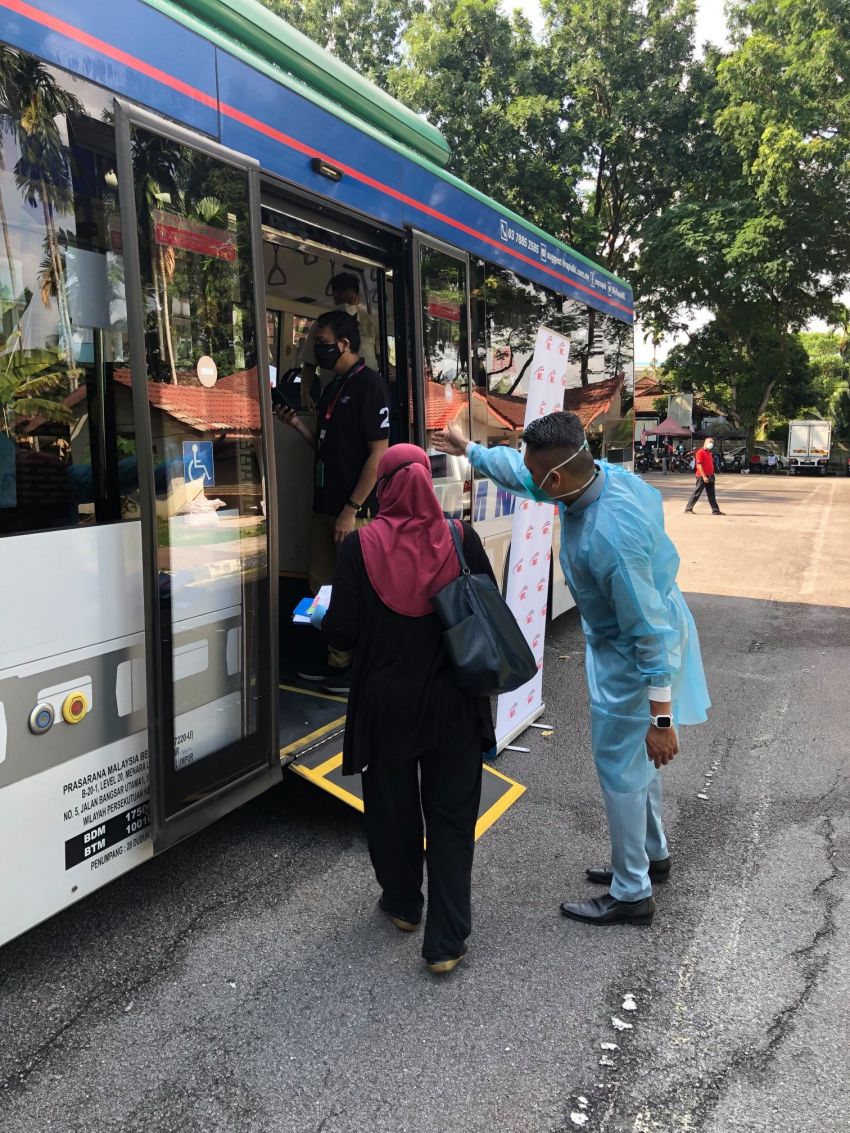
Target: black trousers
(709, 491)
(445, 787)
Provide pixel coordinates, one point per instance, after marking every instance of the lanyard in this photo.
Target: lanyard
(353, 372)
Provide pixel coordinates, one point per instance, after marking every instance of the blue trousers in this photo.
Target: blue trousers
(637, 838)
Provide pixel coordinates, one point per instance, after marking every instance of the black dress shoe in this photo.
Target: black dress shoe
(607, 910)
(658, 871)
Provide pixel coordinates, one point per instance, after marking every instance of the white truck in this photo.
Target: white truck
(808, 446)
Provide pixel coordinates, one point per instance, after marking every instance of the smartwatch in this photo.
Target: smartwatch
(661, 721)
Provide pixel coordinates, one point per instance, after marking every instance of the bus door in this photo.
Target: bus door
(443, 363)
(310, 259)
(202, 414)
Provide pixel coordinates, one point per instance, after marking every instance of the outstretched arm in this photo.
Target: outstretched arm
(504, 466)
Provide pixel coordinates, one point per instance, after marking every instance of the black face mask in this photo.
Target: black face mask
(327, 354)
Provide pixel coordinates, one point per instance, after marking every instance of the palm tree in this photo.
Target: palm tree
(34, 101)
(7, 58)
(157, 165)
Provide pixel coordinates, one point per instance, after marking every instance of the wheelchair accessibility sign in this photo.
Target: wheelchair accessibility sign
(198, 463)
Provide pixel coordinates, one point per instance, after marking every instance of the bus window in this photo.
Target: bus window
(67, 442)
(445, 367)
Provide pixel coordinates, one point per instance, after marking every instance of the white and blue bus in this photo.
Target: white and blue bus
(180, 179)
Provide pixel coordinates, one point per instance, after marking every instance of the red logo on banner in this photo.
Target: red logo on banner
(519, 566)
(541, 585)
(564, 381)
(562, 349)
(538, 374)
(529, 618)
(512, 712)
(523, 594)
(525, 505)
(175, 231)
(536, 642)
(443, 309)
(541, 409)
(547, 526)
(531, 697)
(540, 664)
(529, 531)
(549, 555)
(552, 376)
(535, 558)
(543, 610)
(549, 342)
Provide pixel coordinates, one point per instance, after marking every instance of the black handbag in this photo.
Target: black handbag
(484, 641)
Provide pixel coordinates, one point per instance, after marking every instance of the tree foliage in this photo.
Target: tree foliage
(754, 236)
(619, 68)
(366, 34)
(479, 76)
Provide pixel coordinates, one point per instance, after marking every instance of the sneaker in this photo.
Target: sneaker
(317, 674)
(337, 680)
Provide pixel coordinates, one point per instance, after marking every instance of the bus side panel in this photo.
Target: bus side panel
(74, 797)
(92, 39)
(284, 132)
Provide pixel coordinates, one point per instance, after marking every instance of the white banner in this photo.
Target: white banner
(531, 542)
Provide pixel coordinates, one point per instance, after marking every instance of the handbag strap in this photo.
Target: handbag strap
(458, 542)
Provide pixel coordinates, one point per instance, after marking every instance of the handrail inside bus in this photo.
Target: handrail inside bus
(276, 41)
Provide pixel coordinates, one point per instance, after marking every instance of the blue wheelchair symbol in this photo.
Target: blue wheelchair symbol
(198, 463)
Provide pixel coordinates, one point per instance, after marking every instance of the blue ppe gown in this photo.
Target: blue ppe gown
(620, 566)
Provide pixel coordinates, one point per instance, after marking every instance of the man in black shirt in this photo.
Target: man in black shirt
(353, 429)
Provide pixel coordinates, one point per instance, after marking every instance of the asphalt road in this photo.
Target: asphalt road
(245, 982)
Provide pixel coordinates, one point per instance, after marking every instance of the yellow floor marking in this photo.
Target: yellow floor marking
(499, 807)
(317, 775)
(304, 740)
(313, 692)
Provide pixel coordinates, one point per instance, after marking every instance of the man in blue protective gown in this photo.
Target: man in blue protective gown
(644, 670)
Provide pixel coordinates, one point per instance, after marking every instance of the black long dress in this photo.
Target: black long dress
(418, 740)
(404, 699)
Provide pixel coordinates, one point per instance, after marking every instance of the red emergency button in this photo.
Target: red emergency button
(74, 707)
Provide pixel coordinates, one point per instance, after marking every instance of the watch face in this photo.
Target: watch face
(663, 721)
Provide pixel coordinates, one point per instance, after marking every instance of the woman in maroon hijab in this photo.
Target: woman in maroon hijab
(415, 737)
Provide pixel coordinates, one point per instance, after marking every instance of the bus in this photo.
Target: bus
(180, 180)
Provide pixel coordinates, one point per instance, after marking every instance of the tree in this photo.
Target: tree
(620, 68)
(366, 34)
(7, 125)
(745, 372)
(787, 115)
(33, 102)
(157, 172)
(830, 370)
(762, 263)
(839, 411)
(479, 77)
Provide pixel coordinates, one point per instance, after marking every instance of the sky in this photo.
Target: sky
(711, 25)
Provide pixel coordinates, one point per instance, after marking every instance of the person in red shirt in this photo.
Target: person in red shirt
(704, 468)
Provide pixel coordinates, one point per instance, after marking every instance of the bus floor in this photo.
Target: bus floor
(311, 727)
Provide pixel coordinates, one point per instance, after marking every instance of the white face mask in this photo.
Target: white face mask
(575, 491)
(350, 308)
(709, 445)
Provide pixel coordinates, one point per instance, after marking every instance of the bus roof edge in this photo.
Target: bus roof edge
(275, 40)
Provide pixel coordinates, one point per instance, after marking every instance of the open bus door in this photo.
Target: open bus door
(190, 228)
